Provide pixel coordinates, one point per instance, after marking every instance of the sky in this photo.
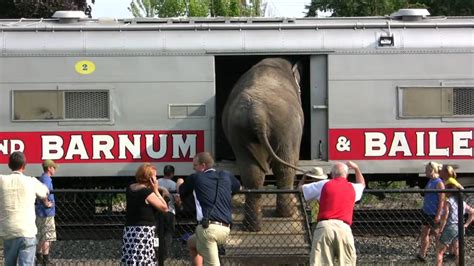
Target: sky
(118, 8)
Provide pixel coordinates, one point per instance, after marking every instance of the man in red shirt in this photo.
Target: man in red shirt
(333, 237)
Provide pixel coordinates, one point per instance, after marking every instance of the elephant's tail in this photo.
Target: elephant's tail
(263, 138)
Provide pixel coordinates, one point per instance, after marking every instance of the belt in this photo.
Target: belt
(334, 220)
(219, 223)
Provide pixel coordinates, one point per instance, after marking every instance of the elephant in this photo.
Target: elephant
(263, 122)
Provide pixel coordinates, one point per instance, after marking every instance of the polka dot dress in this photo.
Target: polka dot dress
(137, 246)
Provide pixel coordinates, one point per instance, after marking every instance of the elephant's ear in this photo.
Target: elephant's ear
(296, 69)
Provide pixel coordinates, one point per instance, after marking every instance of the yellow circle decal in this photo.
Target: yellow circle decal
(85, 67)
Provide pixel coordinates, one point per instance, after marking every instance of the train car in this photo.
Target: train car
(101, 96)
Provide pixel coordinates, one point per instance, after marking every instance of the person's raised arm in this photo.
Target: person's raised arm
(157, 201)
(179, 182)
(359, 178)
(155, 198)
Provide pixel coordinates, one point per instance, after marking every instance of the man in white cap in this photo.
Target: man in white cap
(333, 237)
(315, 174)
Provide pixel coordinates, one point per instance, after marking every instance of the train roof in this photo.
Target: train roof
(79, 36)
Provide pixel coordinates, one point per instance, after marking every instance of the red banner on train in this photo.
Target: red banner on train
(401, 144)
(104, 146)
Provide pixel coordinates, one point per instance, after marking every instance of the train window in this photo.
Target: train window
(187, 110)
(37, 105)
(60, 105)
(419, 102)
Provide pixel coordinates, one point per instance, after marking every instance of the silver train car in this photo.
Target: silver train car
(101, 96)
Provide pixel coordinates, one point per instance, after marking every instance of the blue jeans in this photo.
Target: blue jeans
(21, 250)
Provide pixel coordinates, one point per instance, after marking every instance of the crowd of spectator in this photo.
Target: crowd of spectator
(27, 224)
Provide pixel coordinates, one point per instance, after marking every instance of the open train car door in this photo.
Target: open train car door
(319, 107)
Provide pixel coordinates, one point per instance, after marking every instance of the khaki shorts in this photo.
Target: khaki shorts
(332, 241)
(46, 229)
(206, 241)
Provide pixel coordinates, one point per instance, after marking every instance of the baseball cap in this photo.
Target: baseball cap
(49, 163)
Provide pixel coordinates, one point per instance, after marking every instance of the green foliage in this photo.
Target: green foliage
(194, 8)
(7, 9)
(256, 8)
(234, 8)
(450, 7)
(219, 8)
(351, 8)
(253, 10)
(354, 8)
(38, 8)
(172, 8)
(198, 8)
(144, 8)
(158, 8)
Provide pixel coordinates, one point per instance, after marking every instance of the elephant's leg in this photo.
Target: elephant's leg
(285, 202)
(252, 177)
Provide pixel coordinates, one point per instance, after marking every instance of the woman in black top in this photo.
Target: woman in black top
(143, 198)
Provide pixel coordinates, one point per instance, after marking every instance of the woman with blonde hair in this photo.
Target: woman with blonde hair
(449, 176)
(433, 204)
(143, 199)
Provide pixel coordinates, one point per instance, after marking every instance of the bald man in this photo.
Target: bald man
(333, 239)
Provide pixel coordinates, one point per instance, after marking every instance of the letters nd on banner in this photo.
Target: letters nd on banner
(104, 146)
(401, 144)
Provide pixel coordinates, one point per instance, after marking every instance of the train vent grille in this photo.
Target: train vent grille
(187, 110)
(87, 104)
(463, 101)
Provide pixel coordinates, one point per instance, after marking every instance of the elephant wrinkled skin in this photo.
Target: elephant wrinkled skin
(263, 122)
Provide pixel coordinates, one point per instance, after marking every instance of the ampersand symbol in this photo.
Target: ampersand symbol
(343, 144)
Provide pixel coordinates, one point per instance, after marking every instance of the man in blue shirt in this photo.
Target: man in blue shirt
(213, 192)
(45, 212)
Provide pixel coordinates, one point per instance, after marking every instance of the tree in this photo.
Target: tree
(39, 8)
(234, 8)
(198, 8)
(194, 8)
(143, 8)
(351, 8)
(172, 8)
(450, 7)
(158, 8)
(218, 8)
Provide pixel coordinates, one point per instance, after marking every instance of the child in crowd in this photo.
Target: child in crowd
(448, 233)
(449, 176)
